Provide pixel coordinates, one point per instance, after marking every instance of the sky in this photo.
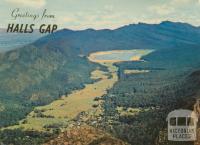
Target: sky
(101, 14)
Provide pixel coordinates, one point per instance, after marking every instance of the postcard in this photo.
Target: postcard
(99, 72)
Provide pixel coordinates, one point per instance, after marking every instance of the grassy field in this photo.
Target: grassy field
(61, 111)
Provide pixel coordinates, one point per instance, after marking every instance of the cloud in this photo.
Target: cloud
(28, 3)
(162, 9)
(182, 2)
(97, 20)
(109, 8)
(172, 6)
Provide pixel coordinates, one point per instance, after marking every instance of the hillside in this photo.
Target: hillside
(32, 76)
(85, 135)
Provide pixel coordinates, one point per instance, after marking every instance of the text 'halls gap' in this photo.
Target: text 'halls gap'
(29, 28)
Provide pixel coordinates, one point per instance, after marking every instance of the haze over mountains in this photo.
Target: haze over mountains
(10, 41)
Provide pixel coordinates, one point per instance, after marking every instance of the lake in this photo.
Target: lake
(119, 55)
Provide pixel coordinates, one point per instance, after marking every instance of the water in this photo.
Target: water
(121, 55)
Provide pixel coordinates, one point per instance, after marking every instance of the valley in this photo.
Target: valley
(65, 109)
(60, 113)
(81, 82)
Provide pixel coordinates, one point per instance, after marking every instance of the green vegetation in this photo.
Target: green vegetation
(33, 76)
(135, 109)
(19, 137)
(65, 109)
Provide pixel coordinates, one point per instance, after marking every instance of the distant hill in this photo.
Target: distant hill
(135, 36)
